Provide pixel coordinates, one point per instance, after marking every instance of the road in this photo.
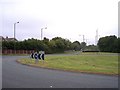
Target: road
(15, 75)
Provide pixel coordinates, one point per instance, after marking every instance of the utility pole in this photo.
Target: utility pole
(83, 37)
(15, 29)
(96, 37)
(86, 41)
(42, 32)
(14, 35)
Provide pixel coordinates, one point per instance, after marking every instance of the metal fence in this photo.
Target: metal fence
(17, 51)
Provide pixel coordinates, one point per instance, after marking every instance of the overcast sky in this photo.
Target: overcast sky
(64, 18)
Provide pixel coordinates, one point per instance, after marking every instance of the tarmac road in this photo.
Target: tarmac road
(15, 75)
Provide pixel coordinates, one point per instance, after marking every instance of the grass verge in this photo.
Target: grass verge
(78, 63)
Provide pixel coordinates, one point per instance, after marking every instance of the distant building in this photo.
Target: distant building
(7, 39)
(10, 39)
(2, 38)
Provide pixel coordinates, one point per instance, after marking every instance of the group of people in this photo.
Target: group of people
(38, 55)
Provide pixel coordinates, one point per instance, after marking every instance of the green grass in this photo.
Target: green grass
(79, 63)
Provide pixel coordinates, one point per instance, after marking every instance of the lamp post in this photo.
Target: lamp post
(14, 34)
(83, 37)
(15, 29)
(86, 41)
(42, 32)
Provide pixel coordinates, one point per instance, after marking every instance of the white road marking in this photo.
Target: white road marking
(50, 86)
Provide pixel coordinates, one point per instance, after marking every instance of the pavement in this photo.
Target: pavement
(15, 75)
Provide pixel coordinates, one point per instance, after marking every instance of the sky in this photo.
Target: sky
(69, 19)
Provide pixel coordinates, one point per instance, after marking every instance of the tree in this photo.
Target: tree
(4, 45)
(83, 45)
(59, 42)
(92, 48)
(46, 40)
(119, 45)
(52, 46)
(76, 46)
(108, 44)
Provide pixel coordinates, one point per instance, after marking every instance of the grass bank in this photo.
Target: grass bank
(78, 63)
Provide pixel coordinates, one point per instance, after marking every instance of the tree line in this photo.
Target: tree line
(59, 45)
(55, 45)
(109, 44)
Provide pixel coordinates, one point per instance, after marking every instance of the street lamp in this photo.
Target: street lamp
(15, 29)
(86, 41)
(42, 32)
(14, 34)
(83, 37)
